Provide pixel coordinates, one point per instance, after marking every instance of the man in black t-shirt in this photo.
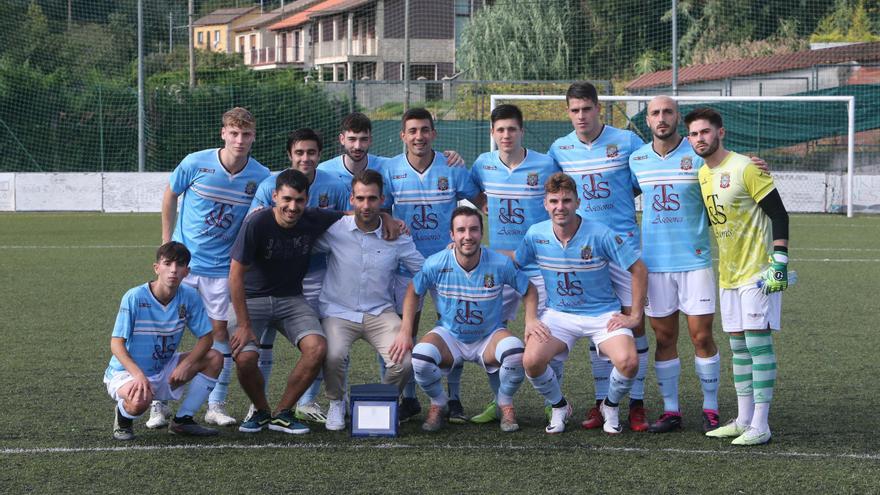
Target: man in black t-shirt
(269, 260)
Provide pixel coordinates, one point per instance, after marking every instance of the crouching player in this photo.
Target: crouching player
(146, 365)
(468, 280)
(573, 255)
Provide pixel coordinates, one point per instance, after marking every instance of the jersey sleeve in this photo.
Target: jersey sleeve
(525, 254)
(425, 279)
(183, 175)
(197, 317)
(341, 198)
(515, 278)
(476, 177)
(263, 196)
(125, 318)
(467, 188)
(386, 186)
(618, 250)
(245, 245)
(635, 142)
(758, 183)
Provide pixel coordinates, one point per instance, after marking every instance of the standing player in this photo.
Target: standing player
(146, 363)
(468, 280)
(512, 181)
(596, 156)
(574, 256)
(676, 250)
(749, 221)
(325, 192)
(423, 190)
(218, 186)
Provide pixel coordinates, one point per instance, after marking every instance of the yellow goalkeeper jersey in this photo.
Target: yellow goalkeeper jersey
(731, 192)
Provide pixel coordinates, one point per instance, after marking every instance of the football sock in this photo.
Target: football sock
(709, 372)
(547, 385)
(125, 414)
(759, 419)
(742, 379)
(558, 368)
(266, 360)
(453, 381)
(601, 372)
(409, 390)
(760, 346)
(667, 379)
(312, 392)
(638, 388)
(426, 370)
(199, 389)
(221, 391)
(509, 352)
(619, 386)
(494, 383)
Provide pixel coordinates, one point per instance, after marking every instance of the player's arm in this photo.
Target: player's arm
(186, 368)
(243, 331)
(453, 158)
(169, 213)
(776, 275)
(141, 386)
(403, 341)
(479, 200)
(534, 327)
(639, 290)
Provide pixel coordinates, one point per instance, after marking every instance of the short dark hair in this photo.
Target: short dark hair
(173, 251)
(303, 134)
(356, 122)
(416, 114)
(506, 111)
(582, 90)
(368, 177)
(465, 211)
(704, 113)
(292, 178)
(559, 181)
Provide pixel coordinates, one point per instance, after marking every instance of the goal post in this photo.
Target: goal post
(796, 141)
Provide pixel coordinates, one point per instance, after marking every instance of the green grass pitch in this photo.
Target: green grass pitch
(62, 276)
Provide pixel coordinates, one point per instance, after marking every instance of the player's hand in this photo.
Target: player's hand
(180, 375)
(140, 388)
(620, 320)
(453, 159)
(243, 336)
(775, 278)
(761, 164)
(402, 345)
(538, 330)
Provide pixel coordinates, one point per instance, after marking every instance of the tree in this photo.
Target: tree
(845, 23)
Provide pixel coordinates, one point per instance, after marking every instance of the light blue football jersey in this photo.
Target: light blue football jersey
(152, 332)
(469, 303)
(515, 197)
(675, 228)
(214, 204)
(576, 276)
(336, 167)
(326, 193)
(425, 201)
(601, 171)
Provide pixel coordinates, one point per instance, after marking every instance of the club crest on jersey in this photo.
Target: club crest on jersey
(181, 312)
(687, 163)
(618, 239)
(725, 180)
(323, 200)
(489, 280)
(250, 188)
(443, 183)
(532, 179)
(611, 151)
(586, 253)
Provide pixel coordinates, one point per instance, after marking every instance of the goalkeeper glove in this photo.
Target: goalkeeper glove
(775, 278)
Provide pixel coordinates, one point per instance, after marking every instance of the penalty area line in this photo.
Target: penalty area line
(461, 447)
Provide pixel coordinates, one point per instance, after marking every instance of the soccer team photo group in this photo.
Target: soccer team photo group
(326, 254)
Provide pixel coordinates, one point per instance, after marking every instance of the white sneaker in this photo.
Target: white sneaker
(558, 418)
(336, 415)
(310, 412)
(216, 415)
(611, 417)
(159, 414)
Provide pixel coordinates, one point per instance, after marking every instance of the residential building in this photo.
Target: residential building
(213, 32)
(260, 47)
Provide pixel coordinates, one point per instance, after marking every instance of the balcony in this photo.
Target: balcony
(338, 49)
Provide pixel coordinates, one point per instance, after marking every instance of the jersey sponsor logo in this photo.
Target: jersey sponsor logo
(532, 179)
(568, 285)
(611, 151)
(206, 170)
(468, 312)
(509, 213)
(687, 163)
(250, 188)
(488, 280)
(144, 304)
(594, 188)
(490, 167)
(725, 180)
(220, 216)
(181, 312)
(443, 183)
(566, 147)
(666, 200)
(640, 157)
(446, 270)
(716, 211)
(163, 349)
(586, 253)
(424, 219)
(542, 241)
(398, 177)
(323, 200)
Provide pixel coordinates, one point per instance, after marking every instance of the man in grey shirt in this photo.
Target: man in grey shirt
(356, 300)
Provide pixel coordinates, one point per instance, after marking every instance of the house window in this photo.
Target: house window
(217, 38)
(200, 36)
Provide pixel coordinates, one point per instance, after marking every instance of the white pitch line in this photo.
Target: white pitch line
(392, 446)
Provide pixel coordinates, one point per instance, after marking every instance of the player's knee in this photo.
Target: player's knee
(212, 363)
(425, 357)
(509, 352)
(533, 364)
(247, 361)
(136, 407)
(313, 348)
(704, 343)
(628, 364)
(335, 356)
